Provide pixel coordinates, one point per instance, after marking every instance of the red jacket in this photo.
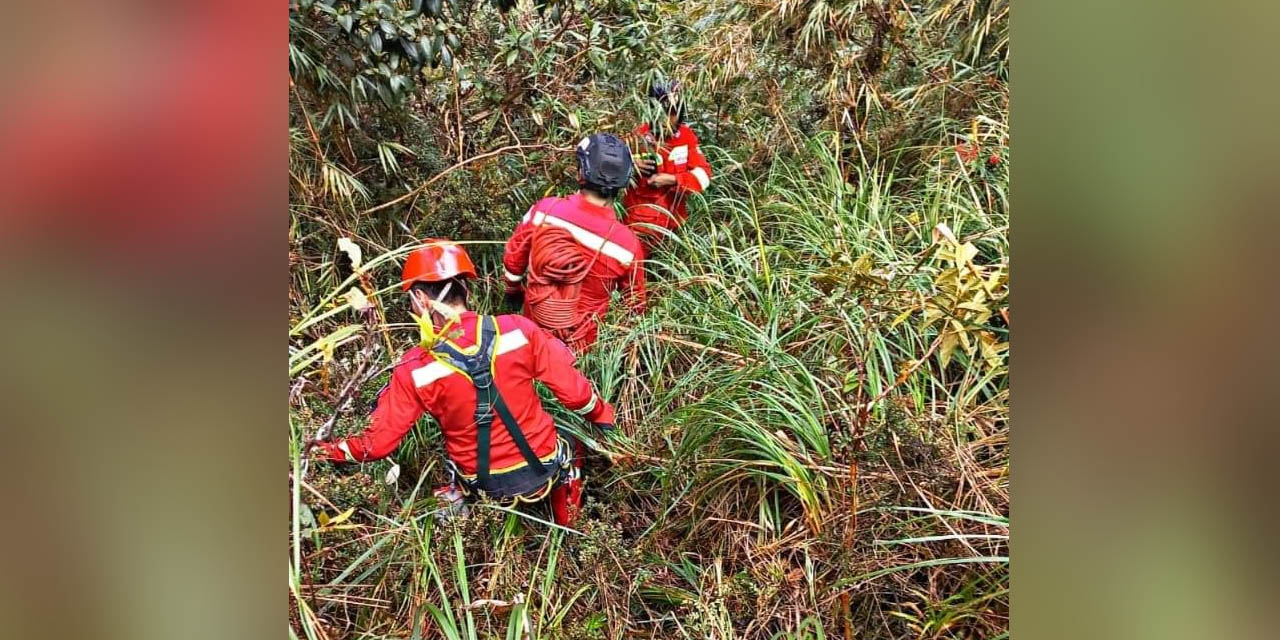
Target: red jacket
(619, 265)
(665, 206)
(419, 383)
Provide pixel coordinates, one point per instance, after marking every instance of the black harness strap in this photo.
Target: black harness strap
(479, 368)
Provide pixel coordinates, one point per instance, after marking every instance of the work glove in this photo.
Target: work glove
(661, 180)
(513, 301)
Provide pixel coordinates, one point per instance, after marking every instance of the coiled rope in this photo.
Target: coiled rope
(557, 267)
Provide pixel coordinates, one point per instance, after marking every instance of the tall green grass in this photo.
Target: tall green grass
(804, 464)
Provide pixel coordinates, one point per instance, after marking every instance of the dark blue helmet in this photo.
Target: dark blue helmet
(605, 162)
(663, 91)
(667, 94)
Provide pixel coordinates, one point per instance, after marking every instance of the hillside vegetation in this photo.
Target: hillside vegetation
(818, 394)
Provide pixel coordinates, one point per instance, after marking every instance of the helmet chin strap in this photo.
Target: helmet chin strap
(429, 335)
(436, 302)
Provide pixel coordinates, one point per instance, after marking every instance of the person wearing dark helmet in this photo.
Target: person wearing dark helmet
(567, 255)
(474, 374)
(673, 169)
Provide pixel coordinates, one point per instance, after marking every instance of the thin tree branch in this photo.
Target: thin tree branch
(422, 187)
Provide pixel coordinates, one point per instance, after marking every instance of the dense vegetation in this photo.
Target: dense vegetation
(818, 396)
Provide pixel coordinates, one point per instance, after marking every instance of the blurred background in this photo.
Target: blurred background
(142, 199)
(1143, 240)
(143, 228)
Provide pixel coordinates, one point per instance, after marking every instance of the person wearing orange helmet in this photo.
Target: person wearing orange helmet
(474, 374)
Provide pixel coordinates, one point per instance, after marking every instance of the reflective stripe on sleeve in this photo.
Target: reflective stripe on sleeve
(511, 341)
(423, 376)
(701, 175)
(511, 277)
(346, 449)
(590, 405)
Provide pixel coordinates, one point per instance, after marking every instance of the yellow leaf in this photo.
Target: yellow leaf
(994, 280)
(323, 518)
(991, 349)
(948, 346)
(965, 254)
(902, 317)
(326, 348)
(342, 517)
(863, 264)
(931, 315)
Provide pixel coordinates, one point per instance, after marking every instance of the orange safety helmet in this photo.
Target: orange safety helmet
(439, 260)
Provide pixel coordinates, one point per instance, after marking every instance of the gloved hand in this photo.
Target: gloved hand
(513, 301)
(452, 503)
(661, 180)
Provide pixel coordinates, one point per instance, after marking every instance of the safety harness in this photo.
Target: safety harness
(531, 480)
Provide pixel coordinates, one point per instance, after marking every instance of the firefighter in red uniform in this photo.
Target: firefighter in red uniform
(670, 169)
(474, 374)
(568, 255)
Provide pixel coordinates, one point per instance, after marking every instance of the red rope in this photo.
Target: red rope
(557, 267)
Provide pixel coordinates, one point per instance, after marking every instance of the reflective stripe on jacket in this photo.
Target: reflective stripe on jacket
(420, 383)
(665, 206)
(595, 228)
